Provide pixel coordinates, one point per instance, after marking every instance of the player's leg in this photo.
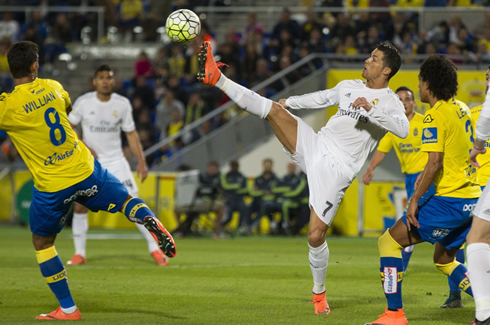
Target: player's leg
(390, 246)
(318, 256)
(79, 228)
(478, 251)
(445, 261)
(47, 218)
(454, 299)
(283, 123)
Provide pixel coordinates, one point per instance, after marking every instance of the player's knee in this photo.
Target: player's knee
(80, 208)
(479, 233)
(448, 268)
(316, 237)
(388, 247)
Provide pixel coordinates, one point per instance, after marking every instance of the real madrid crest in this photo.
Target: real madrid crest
(374, 102)
(114, 114)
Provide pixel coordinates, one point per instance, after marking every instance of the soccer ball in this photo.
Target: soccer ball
(183, 26)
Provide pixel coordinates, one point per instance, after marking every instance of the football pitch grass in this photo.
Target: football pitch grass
(246, 280)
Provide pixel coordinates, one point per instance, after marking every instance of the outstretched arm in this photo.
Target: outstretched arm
(316, 100)
(136, 149)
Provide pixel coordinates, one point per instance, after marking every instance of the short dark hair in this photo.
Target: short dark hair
(103, 67)
(213, 163)
(403, 88)
(440, 74)
(20, 58)
(391, 58)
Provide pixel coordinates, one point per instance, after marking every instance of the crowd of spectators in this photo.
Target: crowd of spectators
(164, 91)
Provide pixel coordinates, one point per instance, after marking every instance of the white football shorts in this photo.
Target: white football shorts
(327, 182)
(122, 170)
(482, 208)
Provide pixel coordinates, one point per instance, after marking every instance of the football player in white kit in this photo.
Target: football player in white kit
(103, 115)
(478, 239)
(332, 157)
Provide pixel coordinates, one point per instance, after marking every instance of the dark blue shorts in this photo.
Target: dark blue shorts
(410, 186)
(444, 220)
(99, 191)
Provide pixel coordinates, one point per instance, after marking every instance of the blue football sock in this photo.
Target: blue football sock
(461, 259)
(457, 273)
(391, 270)
(54, 272)
(136, 210)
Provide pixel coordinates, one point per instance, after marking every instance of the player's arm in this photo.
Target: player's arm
(482, 132)
(316, 100)
(392, 117)
(434, 165)
(137, 150)
(375, 161)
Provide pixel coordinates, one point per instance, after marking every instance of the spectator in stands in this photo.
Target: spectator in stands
(455, 24)
(138, 107)
(437, 3)
(396, 29)
(482, 54)
(332, 4)
(342, 28)
(229, 52)
(408, 44)
(311, 23)
(262, 72)
(31, 35)
(380, 17)
(465, 41)
(167, 105)
(61, 34)
(195, 109)
(191, 65)
(369, 43)
(9, 27)
(439, 35)
(147, 140)
(249, 61)
(177, 62)
(261, 193)
(252, 27)
(290, 78)
(285, 23)
(130, 13)
(144, 91)
(6, 81)
(38, 23)
(161, 66)
(362, 24)
(158, 12)
(315, 42)
(453, 49)
(234, 186)
(173, 127)
(173, 84)
(144, 124)
(143, 66)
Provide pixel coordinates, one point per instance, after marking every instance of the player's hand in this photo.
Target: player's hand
(474, 153)
(367, 177)
(142, 170)
(362, 102)
(282, 101)
(411, 214)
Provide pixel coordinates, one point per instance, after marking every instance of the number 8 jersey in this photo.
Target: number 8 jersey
(34, 116)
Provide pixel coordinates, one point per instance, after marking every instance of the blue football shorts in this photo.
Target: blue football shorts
(99, 191)
(444, 220)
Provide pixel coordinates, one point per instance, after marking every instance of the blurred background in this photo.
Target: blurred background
(277, 48)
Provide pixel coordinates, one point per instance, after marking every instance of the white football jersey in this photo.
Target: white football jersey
(102, 123)
(351, 134)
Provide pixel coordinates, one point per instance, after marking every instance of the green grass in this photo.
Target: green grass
(252, 280)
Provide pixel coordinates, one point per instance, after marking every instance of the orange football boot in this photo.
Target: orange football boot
(58, 314)
(77, 260)
(209, 72)
(159, 257)
(321, 304)
(391, 318)
(161, 235)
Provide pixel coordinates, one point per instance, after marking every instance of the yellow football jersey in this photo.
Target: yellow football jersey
(34, 116)
(412, 160)
(482, 173)
(448, 129)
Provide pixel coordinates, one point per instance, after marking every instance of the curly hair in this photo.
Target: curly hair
(391, 57)
(441, 75)
(20, 58)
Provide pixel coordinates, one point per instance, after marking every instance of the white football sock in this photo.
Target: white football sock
(80, 228)
(478, 255)
(247, 99)
(152, 244)
(70, 310)
(318, 264)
